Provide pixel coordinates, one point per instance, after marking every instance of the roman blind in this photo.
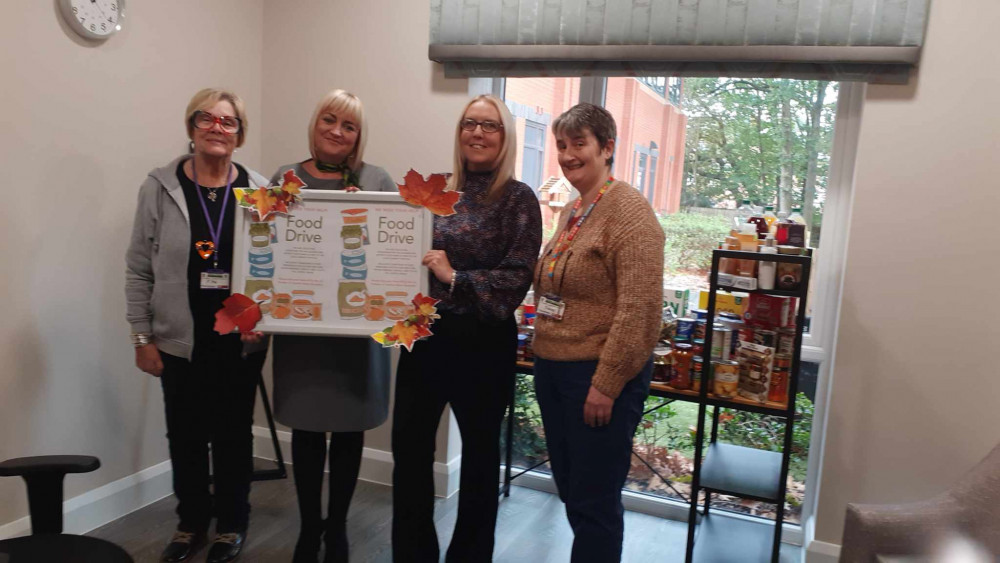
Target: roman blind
(870, 40)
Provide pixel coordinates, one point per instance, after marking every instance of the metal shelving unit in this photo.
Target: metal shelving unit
(736, 470)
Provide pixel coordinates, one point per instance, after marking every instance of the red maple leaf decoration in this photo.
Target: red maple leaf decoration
(238, 311)
(429, 193)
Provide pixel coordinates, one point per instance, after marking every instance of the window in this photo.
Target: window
(695, 153)
(645, 160)
(533, 154)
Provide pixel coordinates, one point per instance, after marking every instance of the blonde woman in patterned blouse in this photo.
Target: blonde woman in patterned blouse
(480, 269)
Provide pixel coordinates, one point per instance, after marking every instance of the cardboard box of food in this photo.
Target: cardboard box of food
(677, 300)
(725, 302)
(769, 311)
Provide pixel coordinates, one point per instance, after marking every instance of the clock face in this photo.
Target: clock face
(94, 19)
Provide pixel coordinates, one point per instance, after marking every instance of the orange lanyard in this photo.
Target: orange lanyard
(562, 244)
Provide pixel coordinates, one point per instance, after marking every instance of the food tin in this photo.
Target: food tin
(353, 257)
(725, 378)
(685, 327)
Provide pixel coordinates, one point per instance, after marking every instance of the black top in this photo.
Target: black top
(205, 302)
(492, 246)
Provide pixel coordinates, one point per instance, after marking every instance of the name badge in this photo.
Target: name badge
(214, 279)
(551, 307)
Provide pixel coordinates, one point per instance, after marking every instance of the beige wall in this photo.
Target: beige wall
(376, 49)
(915, 384)
(80, 126)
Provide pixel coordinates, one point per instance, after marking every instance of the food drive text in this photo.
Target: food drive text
(303, 230)
(395, 231)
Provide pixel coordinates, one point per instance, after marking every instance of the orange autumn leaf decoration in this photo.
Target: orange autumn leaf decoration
(265, 202)
(415, 327)
(429, 193)
(238, 311)
(292, 184)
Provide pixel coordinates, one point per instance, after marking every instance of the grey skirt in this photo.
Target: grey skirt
(330, 384)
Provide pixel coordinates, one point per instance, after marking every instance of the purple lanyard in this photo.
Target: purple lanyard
(217, 229)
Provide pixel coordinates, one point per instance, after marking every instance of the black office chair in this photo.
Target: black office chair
(44, 477)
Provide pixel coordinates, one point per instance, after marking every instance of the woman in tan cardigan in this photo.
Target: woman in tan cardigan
(599, 290)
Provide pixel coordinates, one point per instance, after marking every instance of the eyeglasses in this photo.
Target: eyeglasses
(469, 124)
(205, 121)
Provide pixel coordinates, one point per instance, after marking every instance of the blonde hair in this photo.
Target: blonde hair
(503, 169)
(207, 98)
(342, 104)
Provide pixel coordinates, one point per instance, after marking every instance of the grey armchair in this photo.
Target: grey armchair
(970, 508)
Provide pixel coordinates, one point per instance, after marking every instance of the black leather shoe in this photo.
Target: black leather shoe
(182, 546)
(226, 547)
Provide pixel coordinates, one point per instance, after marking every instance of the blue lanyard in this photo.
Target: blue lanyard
(213, 231)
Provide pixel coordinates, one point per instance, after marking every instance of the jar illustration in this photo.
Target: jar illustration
(260, 234)
(281, 306)
(396, 306)
(302, 304)
(375, 309)
(262, 292)
(352, 235)
(352, 296)
(357, 216)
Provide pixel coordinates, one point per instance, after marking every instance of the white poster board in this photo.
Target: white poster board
(339, 263)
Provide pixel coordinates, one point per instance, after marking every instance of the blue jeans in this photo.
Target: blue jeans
(589, 465)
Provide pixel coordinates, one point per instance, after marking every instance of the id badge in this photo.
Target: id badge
(214, 279)
(551, 307)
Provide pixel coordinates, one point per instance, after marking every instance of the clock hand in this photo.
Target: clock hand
(98, 6)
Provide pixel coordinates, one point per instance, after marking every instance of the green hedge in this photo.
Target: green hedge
(690, 239)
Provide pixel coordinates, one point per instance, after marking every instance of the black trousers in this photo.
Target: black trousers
(469, 364)
(210, 400)
(589, 465)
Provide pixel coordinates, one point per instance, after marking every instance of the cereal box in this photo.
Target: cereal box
(725, 302)
(677, 300)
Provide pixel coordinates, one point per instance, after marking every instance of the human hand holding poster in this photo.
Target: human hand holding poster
(337, 263)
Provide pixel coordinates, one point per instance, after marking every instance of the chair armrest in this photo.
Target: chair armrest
(896, 529)
(62, 464)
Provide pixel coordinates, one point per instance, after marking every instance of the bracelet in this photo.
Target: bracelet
(141, 339)
(451, 288)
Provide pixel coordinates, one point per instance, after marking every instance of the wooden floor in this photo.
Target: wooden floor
(531, 528)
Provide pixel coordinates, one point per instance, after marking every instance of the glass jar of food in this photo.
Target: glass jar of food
(780, 372)
(683, 358)
(661, 364)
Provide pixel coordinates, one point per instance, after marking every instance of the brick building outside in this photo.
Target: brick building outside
(649, 151)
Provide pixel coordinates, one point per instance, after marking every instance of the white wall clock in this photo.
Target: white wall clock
(93, 19)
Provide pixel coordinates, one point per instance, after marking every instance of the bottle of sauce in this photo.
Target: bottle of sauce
(769, 216)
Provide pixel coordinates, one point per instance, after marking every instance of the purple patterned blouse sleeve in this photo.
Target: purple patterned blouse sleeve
(492, 246)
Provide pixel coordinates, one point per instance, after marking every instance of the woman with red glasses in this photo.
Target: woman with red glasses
(179, 270)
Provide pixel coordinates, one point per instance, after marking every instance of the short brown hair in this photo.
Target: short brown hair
(207, 98)
(587, 116)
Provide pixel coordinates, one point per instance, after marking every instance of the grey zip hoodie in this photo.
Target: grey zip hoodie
(156, 283)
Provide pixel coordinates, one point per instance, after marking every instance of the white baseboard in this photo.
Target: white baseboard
(822, 552)
(104, 504)
(376, 465)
